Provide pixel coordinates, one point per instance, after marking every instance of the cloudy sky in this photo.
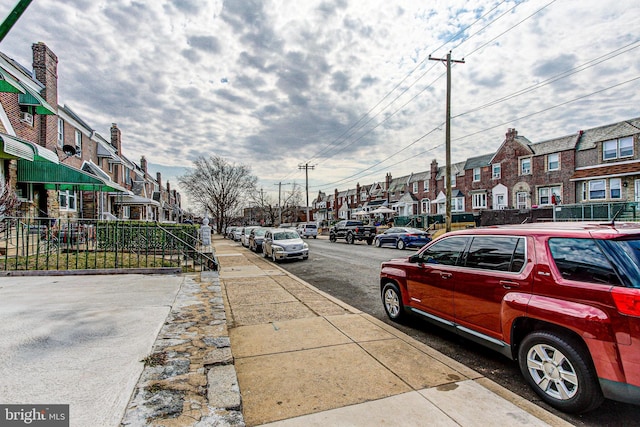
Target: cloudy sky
(343, 85)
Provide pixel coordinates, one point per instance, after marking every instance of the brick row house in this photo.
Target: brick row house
(599, 165)
(59, 166)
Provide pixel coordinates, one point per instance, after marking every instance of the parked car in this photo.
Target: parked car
(228, 234)
(308, 230)
(563, 299)
(244, 237)
(351, 231)
(256, 237)
(402, 237)
(237, 233)
(283, 243)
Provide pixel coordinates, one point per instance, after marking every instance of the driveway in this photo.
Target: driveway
(78, 340)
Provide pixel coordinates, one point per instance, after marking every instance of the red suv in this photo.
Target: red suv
(563, 299)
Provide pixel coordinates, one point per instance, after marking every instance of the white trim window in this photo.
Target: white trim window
(525, 166)
(479, 200)
(67, 200)
(425, 185)
(78, 143)
(415, 187)
(521, 200)
(553, 162)
(476, 174)
(457, 204)
(597, 189)
(496, 171)
(453, 179)
(617, 148)
(545, 195)
(426, 206)
(615, 188)
(60, 132)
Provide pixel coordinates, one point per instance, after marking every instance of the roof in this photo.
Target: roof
(611, 170)
(555, 145)
(477, 162)
(591, 137)
(456, 168)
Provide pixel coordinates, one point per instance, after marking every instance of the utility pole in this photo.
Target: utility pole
(306, 168)
(448, 62)
(13, 17)
(280, 184)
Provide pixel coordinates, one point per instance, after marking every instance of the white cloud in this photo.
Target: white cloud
(273, 84)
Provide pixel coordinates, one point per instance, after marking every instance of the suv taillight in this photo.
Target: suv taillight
(627, 300)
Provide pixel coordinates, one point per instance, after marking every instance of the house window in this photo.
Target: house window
(453, 179)
(60, 132)
(479, 200)
(126, 211)
(617, 148)
(615, 185)
(426, 206)
(476, 174)
(67, 200)
(553, 162)
(415, 187)
(457, 204)
(78, 143)
(525, 166)
(521, 200)
(496, 171)
(597, 189)
(546, 195)
(425, 185)
(363, 196)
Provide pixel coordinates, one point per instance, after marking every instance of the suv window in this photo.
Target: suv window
(582, 260)
(311, 226)
(446, 251)
(502, 253)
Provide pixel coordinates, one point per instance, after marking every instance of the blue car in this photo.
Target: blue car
(403, 237)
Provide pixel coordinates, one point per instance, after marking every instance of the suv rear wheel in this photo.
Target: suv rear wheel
(350, 239)
(392, 301)
(560, 371)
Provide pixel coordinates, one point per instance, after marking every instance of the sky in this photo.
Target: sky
(344, 86)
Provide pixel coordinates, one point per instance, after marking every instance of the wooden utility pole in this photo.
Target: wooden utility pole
(447, 61)
(306, 168)
(13, 17)
(279, 200)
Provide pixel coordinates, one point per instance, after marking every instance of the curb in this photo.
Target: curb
(189, 378)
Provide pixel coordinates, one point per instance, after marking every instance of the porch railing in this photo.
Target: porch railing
(75, 244)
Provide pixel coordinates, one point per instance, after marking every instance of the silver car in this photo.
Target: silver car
(282, 243)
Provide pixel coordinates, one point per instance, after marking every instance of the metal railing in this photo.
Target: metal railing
(77, 244)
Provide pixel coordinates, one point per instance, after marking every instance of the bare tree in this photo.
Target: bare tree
(267, 206)
(219, 187)
(8, 200)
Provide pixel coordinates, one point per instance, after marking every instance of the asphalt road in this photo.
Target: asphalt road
(351, 274)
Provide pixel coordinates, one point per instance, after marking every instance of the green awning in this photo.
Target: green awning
(9, 84)
(58, 176)
(14, 148)
(32, 97)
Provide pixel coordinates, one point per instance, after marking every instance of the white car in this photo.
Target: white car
(282, 243)
(244, 237)
(308, 230)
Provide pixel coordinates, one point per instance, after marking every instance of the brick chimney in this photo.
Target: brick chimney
(511, 134)
(159, 179)
(116, 138)
(143, 164)
(45, 67)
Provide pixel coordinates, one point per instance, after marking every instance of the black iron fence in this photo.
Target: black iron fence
(75, 244)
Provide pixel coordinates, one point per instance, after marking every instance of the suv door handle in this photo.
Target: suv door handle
(507, 284)
(446, 275)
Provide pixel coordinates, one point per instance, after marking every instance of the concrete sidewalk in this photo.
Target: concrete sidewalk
(305, 358)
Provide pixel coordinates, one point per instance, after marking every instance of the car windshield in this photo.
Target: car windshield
(260, 232)
(286, 235)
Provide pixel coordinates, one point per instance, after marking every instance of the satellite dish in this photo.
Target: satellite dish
(69, 150)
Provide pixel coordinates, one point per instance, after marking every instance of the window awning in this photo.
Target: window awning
(134, 200)
(8, 84)
(14, 148)
(32, 97)
(93, 169)
(58, 176)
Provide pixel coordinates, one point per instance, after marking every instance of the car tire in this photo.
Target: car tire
(273, 256)
(332, 238)
(378, 243)
(350, 239)
(264, 253)
(560, 371)
(392, 302)
(400, 244)
(369, 242)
